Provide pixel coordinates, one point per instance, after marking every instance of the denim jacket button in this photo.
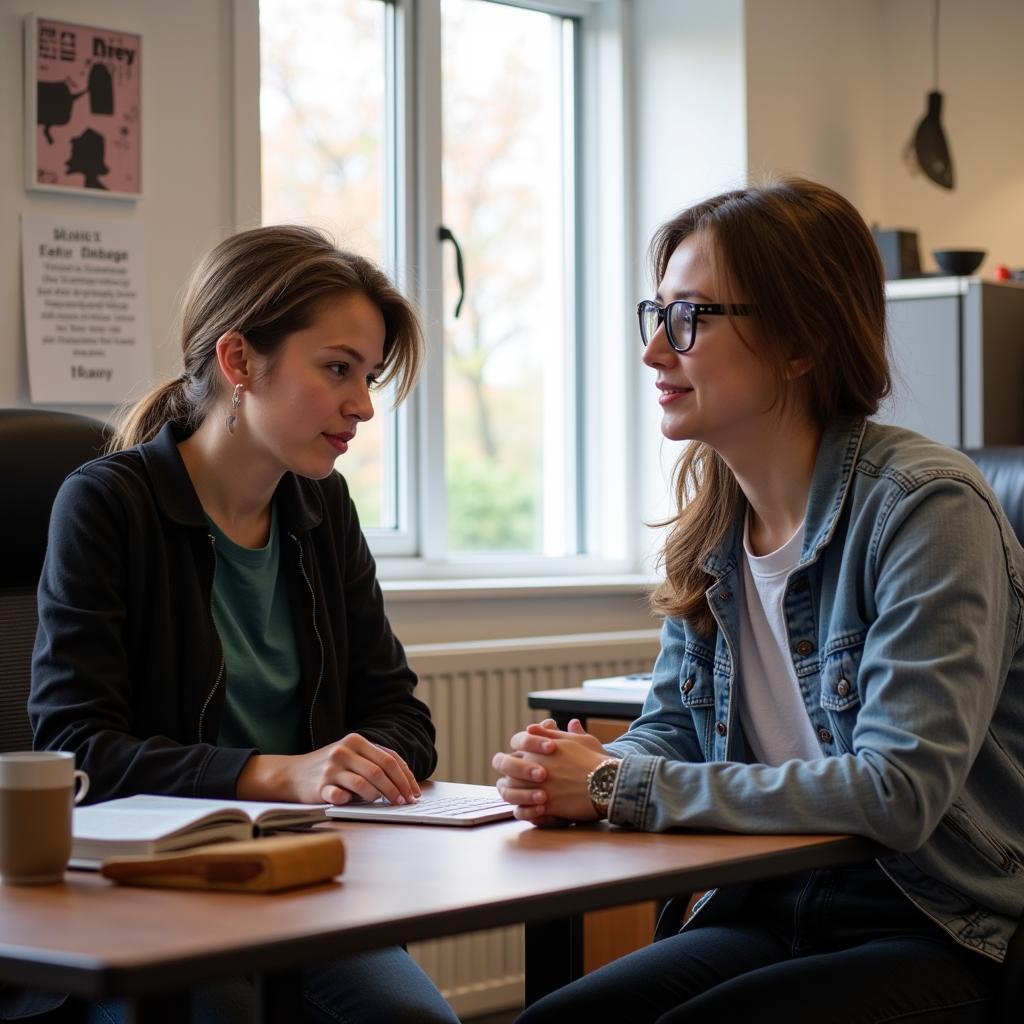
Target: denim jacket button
(843, 688)
(720, 728)
(804, 647)
(824, 735)
(688, 686)
(726, 596)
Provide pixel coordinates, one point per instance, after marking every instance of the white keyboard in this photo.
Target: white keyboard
(443, 803)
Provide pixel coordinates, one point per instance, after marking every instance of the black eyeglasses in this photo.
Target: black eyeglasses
(681, 319)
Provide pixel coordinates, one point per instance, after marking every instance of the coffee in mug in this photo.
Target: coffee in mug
(37, 792)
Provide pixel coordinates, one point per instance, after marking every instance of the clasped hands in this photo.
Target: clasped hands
(545, 773)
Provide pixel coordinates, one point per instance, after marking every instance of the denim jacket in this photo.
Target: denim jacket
(905, 617)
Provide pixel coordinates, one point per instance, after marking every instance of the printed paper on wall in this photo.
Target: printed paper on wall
(86, 314)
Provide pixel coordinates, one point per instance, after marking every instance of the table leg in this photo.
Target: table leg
(165, 1008)
(554, 955)
(280, 996)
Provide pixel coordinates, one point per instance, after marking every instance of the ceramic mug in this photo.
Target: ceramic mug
(37, 792)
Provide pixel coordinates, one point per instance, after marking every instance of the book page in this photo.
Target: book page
(149, 816)
(105, 822)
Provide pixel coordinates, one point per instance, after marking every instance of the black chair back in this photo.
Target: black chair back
(1003, 468)
(38, 449)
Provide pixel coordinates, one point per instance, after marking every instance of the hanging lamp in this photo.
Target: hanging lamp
(928, 150)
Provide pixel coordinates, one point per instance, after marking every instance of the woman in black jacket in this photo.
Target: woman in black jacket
(210, 622)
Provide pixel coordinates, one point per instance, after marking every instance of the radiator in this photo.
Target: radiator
(476, 692)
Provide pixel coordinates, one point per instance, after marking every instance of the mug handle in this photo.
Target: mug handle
(83, 788)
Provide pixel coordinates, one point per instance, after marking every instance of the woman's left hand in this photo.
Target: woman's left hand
(545, 774)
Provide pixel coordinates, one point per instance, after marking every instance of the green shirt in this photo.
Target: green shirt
(261, 663)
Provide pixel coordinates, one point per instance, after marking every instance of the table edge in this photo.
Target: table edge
(91, 978)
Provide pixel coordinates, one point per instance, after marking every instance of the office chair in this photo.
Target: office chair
(1003, 468)
(38, 448)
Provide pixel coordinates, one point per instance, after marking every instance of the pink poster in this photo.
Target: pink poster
(84, 107)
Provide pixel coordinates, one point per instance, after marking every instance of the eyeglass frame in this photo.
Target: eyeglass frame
(697, 309)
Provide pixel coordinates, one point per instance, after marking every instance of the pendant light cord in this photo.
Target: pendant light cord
(935, 44)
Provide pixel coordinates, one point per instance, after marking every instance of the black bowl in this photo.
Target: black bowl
(959, 262)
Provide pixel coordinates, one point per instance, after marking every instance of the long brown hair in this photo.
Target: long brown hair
(802, 255)
(265, 284)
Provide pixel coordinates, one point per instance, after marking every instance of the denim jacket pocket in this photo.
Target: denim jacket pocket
(697, 694)
(960, 822)
(840, 695)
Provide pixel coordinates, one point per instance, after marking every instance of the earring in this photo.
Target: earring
(236, 401)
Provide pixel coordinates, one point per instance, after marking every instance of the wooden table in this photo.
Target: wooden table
(402, 883)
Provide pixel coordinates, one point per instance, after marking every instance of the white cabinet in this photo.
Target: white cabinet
(957, 347)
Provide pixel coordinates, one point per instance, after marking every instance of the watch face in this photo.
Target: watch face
(602, 782)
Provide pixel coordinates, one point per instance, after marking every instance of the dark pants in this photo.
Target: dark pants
(380, 986)
(842, 945)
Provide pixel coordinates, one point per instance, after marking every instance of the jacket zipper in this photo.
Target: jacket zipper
(1007, 861)
(213, 625)
(1010, 863)
(319, 640)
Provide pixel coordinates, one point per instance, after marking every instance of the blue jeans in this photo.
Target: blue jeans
(383, 985)
(839, 945)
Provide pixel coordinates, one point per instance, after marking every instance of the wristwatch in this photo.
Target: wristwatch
(601, 784)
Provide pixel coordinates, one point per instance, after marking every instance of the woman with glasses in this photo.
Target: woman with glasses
(841, 651)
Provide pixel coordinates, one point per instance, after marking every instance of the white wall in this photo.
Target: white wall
(187, 159)
(690, 141)
(814, 94)
(981, 73)
(836, 88)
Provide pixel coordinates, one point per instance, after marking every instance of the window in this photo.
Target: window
(509, 197)
(325, 149)
(384, 122)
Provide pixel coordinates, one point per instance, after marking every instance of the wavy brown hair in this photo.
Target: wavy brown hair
(802, 255)
(266, 284)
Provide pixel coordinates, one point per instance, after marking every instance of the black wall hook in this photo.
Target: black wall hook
(445, 235)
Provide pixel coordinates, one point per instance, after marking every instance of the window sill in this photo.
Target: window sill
(611, 585)
(432, 611)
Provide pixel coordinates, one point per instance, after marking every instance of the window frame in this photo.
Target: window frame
(607, 500)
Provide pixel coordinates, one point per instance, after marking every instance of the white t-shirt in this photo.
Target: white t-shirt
(772, 710)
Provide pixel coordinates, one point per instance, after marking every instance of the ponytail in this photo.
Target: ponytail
(176, 401)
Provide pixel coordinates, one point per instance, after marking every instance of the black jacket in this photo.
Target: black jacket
(128, 670)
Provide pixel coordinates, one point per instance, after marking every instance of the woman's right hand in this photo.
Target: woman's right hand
(545, 773)
(353, 768)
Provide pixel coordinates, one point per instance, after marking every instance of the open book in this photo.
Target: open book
(143, 825)
(137, 825)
